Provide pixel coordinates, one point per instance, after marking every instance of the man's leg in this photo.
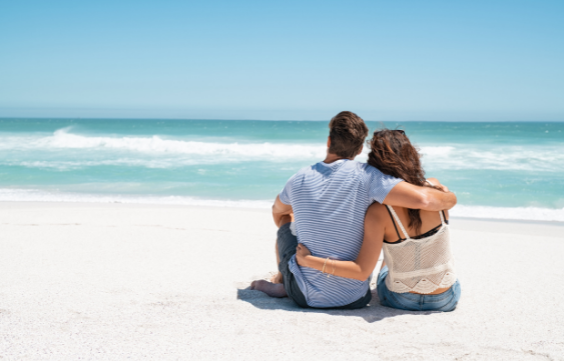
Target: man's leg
(278, 278)
(275, 288)
(271, 289)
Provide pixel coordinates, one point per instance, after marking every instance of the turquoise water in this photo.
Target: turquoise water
(516, 166)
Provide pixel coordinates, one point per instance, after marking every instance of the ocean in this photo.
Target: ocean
(498, 170)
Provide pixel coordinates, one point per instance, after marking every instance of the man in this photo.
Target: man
(329, 201)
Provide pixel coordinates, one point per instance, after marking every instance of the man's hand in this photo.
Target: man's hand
(435, 183)
(442, 187)
(301, 253)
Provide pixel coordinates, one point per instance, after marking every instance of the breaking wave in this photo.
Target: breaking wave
(36, 195)
(62, 139)
(509, 213)
(516, 158)
(158, 152)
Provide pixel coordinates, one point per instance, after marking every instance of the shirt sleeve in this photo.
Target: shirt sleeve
(286, 194)
(380, 185)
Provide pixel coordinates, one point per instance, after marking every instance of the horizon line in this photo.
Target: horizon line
(271, 120)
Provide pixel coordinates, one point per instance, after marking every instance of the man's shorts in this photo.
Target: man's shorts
(287, 244)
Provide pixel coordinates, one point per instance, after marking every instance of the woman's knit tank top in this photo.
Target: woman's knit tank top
(420, 265)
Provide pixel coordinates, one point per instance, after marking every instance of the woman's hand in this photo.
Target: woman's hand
(301, 253)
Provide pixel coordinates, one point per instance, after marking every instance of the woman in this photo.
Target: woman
(418, 272)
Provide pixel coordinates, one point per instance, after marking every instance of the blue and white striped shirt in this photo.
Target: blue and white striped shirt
(329, 203)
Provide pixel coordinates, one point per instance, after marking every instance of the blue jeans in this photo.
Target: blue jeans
(445, 301)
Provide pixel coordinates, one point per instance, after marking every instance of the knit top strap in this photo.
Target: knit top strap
(398, 221)
(442, 218)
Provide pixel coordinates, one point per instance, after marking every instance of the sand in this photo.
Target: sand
(116, 281)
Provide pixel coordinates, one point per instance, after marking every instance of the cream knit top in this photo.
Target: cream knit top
(420, 265)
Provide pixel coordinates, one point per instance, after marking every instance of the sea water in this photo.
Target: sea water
(511, 170)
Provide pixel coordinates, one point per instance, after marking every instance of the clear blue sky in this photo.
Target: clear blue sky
(385, 60)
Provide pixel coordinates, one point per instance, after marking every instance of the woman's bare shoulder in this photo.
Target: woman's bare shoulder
(376, 210)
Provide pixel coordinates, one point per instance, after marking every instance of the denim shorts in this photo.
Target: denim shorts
(445, 301)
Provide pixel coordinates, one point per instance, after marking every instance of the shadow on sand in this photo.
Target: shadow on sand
(371, 313)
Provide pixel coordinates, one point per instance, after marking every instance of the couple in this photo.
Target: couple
(335, 217)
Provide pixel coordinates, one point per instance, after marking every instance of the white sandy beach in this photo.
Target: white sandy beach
(117, 281)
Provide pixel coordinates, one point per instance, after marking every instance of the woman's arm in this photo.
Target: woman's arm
(364, 264)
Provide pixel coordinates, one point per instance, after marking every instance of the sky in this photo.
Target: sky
(290, 60)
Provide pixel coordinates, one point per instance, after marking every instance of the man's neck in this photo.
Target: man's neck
(333, 158)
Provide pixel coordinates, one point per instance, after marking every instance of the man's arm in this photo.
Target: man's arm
(281, 211)
(428, 199)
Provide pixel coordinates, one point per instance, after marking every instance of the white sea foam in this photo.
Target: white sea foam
(34, 195)
(156, 145)
(437, 151)
(158, 152)
(516, 158)
(127, 162)
(516, 213)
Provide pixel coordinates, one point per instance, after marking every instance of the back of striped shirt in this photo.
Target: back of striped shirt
(329, 203)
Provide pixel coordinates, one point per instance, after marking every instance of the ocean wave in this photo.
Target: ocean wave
(124, 162)
(62, 139)
(35, 195)
(437, 151)
(72, 151)
(509, 158)
(510, 213)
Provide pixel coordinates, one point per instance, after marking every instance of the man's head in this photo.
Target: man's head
(347, 133)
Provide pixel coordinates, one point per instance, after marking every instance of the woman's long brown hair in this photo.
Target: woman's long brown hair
(393, 154)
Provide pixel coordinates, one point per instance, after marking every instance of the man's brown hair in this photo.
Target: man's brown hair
(347, 132)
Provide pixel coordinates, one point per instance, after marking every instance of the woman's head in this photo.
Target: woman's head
(392, 153)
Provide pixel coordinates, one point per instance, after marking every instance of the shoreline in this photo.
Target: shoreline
(463, 224)
(254, 209)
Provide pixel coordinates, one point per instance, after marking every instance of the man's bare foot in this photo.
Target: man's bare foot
(271, 289)
(277, 278)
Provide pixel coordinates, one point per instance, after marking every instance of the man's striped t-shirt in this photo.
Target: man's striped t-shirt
(329, 201)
